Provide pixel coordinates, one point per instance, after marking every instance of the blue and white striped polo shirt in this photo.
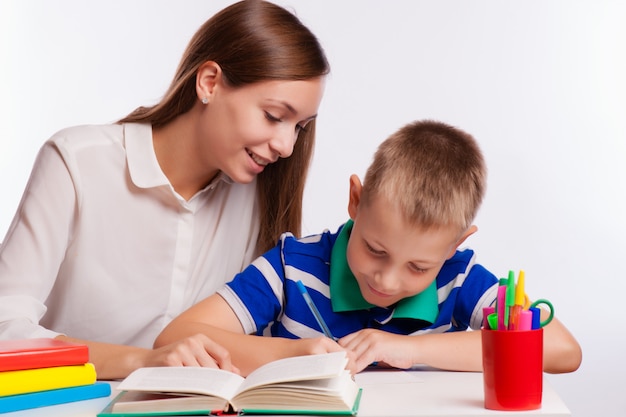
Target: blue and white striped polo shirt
(267, 301)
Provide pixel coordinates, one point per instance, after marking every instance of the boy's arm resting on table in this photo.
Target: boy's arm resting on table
(117, 361)
(561, 352)
(455, 351)
(214, 318)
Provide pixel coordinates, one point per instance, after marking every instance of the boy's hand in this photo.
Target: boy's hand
(370, 345)
(314, 346)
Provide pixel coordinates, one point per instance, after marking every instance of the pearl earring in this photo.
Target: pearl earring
(204, 100)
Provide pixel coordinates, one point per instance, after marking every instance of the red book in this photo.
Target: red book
(40, 353)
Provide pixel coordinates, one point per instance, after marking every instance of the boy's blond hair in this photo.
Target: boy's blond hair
(433, 172)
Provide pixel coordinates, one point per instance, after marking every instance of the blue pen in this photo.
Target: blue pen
(314, 310)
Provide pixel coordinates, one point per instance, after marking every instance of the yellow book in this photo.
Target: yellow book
(43, 379)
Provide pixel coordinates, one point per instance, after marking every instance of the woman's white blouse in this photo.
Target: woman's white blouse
(102, 248)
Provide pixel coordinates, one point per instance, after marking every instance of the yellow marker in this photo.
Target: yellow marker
(520, 292)
(520, 302)
(521, 298)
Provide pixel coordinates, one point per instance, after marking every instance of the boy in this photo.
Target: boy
(391, 284)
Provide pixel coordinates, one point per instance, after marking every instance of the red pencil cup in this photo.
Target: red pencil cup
(512, 369)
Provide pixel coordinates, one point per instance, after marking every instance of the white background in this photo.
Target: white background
(540, 84)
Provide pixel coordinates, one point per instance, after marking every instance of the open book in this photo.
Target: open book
(314, 384)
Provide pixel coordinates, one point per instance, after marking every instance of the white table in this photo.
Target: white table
(387, 393)
(420, 393)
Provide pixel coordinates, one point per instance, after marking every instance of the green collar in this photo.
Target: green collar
(346, 295)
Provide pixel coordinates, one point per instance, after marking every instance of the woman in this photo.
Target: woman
(124, 226)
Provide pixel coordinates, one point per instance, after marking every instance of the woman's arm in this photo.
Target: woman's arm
(117, 361)
(35, 246)
(214, 318)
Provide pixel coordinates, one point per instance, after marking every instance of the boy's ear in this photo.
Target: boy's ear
(355, 195)
(472, 229)
(208, 77)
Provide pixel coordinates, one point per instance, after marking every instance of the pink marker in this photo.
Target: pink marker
(501, 303)
(486, 312)
(525, 320)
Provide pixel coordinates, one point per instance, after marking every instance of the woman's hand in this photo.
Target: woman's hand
(197, 350)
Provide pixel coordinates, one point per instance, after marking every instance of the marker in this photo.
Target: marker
(525, 320)
(520, 291)
(314, 310)
(536, 310)
(510, 298)
(536, 318)
(493, 321)
(486, 312)
(520, 298)
(501, 303)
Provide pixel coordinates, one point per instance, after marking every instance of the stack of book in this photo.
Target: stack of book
(41, 372)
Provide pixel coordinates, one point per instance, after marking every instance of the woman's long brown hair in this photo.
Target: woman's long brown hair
(253, 41)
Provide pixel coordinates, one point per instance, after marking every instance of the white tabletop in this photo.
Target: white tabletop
(386, 393)
(419, 393)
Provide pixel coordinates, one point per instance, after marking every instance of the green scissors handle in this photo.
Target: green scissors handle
(550, 309)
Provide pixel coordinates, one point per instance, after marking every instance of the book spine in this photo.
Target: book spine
(53, 397)
(43, 379)
(71, 355)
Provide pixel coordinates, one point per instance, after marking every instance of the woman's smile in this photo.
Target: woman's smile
(258, 159)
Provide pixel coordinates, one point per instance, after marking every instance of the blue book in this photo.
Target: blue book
(52, 397)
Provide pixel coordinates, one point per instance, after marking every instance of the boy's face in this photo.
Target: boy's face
(390, 258)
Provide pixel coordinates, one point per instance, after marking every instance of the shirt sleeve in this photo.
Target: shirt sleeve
(35, 245)
(478, 291)
(256, 295)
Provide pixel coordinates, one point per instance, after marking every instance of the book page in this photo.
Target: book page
(299, 368)
(336, 394)
(151, 402)
(196, 380)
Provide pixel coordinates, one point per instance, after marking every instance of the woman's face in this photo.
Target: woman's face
(246, 128)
